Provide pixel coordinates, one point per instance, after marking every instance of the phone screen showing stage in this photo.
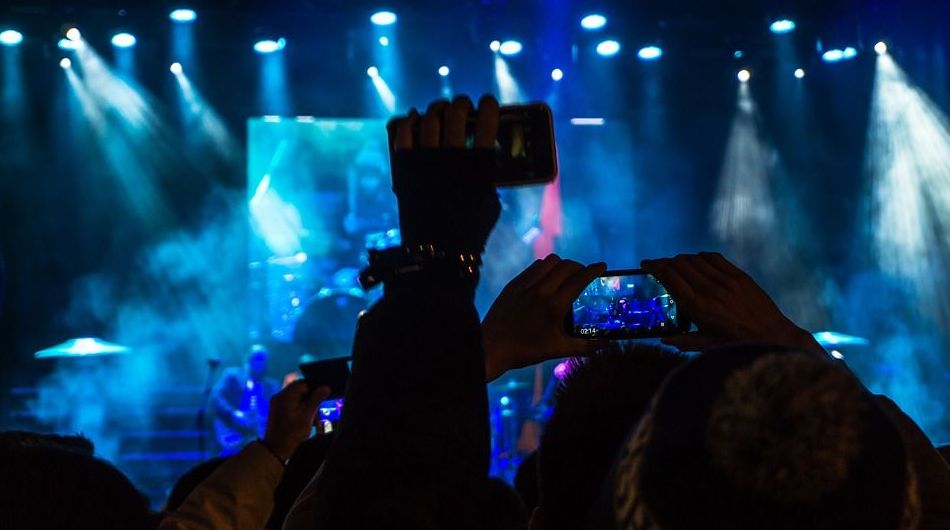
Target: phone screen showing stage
(627, 305)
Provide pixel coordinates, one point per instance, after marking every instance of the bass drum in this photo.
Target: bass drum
(327, 325)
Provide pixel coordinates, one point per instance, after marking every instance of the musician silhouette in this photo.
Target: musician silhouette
(241, 399)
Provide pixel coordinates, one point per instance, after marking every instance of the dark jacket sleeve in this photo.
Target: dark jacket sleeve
(412, 449)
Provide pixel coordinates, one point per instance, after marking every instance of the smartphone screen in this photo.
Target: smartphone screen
(624, 305)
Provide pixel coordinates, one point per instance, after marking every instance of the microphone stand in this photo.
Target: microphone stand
(213, 365)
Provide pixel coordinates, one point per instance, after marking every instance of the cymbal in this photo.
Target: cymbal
(82, 347)
(832, 338)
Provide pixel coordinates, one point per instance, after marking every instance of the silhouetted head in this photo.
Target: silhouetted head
(257, 362)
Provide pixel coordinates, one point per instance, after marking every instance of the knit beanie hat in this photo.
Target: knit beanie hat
(757, 437)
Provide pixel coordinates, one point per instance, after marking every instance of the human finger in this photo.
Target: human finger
(685, 265)
(404, 131)
(456, 116)
(558, 275)
(430, 129)
(317, 396)
(486, 125)
(534, 273)
(575, 284)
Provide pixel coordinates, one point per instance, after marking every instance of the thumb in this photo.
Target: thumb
(317, 396)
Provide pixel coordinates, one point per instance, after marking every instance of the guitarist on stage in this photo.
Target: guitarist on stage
(240, 400)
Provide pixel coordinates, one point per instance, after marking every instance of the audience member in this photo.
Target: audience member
(526, 481)
(190, 480)
(301, 468)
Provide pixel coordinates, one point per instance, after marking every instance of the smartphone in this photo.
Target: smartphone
(625, 304)
(525, 150)
(333, 373)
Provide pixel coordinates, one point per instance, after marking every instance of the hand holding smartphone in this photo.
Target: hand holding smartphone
(625, 304)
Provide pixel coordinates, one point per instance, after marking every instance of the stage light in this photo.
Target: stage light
(73, 34)
(782, 26)
(608, 48)
(744, 76)
(183, 15)
(383, 18)
(269, 46)
(799, 73)
(443, 71)
(372, 71)
(65, 62)
(838, 55)
(11, 37)
(123, 40)
(650, 53)
(510, 47)
(738, 54)
(66, 44)
(384, 41)
(495, 45)
(557, 74)
(880, 48)
(593, 21)
(175, 68)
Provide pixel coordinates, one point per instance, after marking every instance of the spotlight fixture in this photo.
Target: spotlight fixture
(383, 18)
(593, 21)
(557, 74)
(175, 68)
(650, 53)
(270, 46)
(608, 48)
(372, 71)
(123, 40)
(880, 48)
(782, 26)
(738, 54)
(384, 41)
(73, 34)
(444, 71)
(510, 47)
(66, 44)
(11, 37)
(744, 76)
(65, 62)
(183, 15)
(799, 73)
(837, 55)
(495, 45)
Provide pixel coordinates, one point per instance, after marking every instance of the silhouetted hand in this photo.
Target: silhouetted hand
(292, 411)
(445, 190)
(525, 324)
(726, 305)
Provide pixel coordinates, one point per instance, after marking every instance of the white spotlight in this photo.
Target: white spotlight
(123, 40)
(444, 71)
(608, 48)
(175, 68)
(384, 41)
(799, 73)
(65, 62)
(510, 47)
(495, 46)
(744, 76)
(650, 53)
(372, 71)
(73, 34)
(183, 15)
(593, 21)
(880, 48)
(782, 26)
(66, 44)
(383, 18)
(557, 74)
(269, 46)
(11, 37)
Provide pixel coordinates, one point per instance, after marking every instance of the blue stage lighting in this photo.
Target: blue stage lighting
(65, 62)
(123, 40)
(744, 76)
(738, 54)
(269, 46)
(557, 74)
(66, 44)
(608, 48)
(372, 71)
(838, 55)
(183, 15)
(510, 47)
(494, 45)
(782, 26)
(73, 34)
(443, 71)
(383, 18)
(799, 73)
(593, 21)
(880, 48)
(175, 68)
(384, 41)
(650, 53)
(11, 37)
